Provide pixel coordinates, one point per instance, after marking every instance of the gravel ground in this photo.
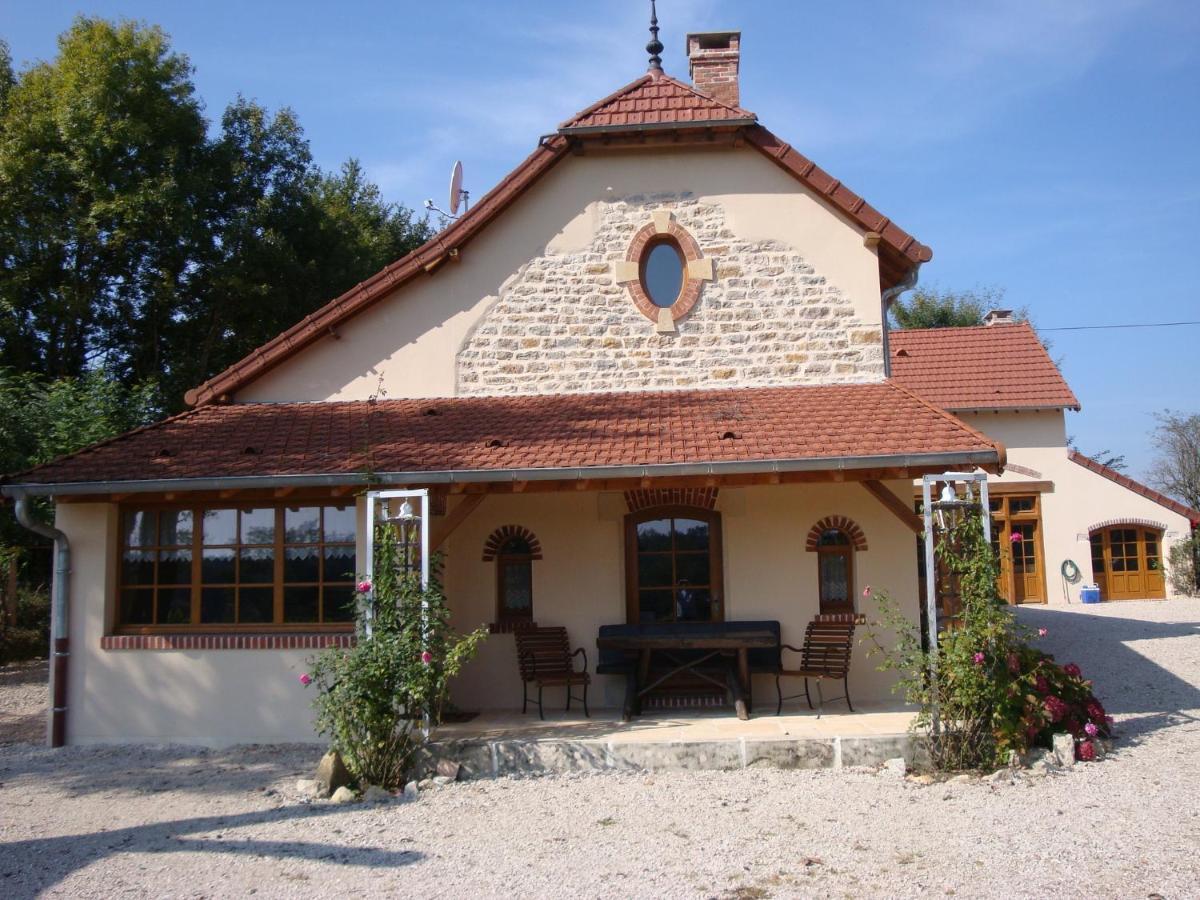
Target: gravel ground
(102, 822)
(23, 702)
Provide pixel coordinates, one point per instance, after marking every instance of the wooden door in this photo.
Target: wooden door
(673, 565)
(1017, 542)
(1127, 563)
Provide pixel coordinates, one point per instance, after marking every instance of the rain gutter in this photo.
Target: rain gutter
(59, 606)
(909, 282)
(993, 456)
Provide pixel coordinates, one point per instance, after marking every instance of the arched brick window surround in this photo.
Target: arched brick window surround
(701, 498)
(858, 540)
(1136, 523)
(491, 547)
(664, 229)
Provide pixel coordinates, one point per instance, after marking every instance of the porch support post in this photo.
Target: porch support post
(456, 516)
(894, 505)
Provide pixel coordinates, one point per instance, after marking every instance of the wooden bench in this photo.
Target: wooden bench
(544, 657)
(825, 656)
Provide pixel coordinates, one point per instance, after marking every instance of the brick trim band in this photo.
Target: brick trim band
(491, 548)
(703, 498)
(857, 539)
(226, 641)
(1137, 523)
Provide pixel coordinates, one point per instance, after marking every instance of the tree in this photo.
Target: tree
(934, 308)
(100, 151)
(1176, 471)
(132, 241)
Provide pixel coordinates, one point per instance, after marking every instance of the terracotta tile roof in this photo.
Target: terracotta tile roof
(1137, 487)
(985, 367)
(654, 99)
(560, 431)
(664, 101)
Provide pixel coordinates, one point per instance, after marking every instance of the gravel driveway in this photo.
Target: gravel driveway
(106, 822)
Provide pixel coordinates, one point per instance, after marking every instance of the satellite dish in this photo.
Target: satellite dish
(456, 191)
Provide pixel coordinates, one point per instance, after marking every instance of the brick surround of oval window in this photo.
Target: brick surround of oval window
(646, 237)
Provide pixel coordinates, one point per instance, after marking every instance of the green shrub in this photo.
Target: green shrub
(372, 699)
(1183, 566)
(992, 692)
(29, 636)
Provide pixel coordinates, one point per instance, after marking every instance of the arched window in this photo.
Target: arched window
(514, 581)
(835, 571)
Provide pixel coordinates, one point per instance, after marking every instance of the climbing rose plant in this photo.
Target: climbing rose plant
(373, 699)
(994, 692)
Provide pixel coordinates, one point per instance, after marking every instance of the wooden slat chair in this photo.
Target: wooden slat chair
(825, 656)
(544, 657)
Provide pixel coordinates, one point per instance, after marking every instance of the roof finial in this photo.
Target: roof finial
(655, 47)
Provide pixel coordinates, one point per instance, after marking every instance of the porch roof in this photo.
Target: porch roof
(552, 437)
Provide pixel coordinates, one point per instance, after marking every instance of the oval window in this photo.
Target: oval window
(662, 274)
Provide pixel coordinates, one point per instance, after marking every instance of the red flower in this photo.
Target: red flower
(1055, 708)
(1094, 710)
(1072, 725)
(1086, 751)
(1014, 664)
(1042, 685)
(1072, 670)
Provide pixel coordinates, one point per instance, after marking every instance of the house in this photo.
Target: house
(1078, 521)
(645, 379)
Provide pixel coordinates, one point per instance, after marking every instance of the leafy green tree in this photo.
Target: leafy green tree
(100, 151)
(934, 308)
(132, 241)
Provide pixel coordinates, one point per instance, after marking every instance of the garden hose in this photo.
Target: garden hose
(1070, 575)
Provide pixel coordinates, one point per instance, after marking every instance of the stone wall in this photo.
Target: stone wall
(564, 325)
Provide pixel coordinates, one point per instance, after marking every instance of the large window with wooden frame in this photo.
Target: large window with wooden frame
(673, 565)
(250, 567)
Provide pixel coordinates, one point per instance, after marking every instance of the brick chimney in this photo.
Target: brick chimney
(713, 58)
(998, 317)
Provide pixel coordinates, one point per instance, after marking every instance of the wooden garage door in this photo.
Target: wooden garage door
(1127, 563)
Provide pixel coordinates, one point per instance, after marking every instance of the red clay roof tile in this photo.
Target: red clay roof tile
(985, 367)
(530, 432)
(654, 99)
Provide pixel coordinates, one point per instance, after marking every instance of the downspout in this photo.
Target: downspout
(59, 641)
(909, 282)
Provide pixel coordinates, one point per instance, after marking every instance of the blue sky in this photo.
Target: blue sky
(1044, 147)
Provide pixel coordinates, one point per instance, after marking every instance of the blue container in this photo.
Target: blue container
(1089, 593)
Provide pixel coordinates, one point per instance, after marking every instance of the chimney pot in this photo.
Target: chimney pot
(713, 61)
(998, 317)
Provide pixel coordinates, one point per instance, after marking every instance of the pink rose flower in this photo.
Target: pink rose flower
(867, 591)
(426, 657)
(978, 657)
(1016, 537)
(364, 587)
(1042, 632)
(1091, 729)
(306, 679)
(1073, 670)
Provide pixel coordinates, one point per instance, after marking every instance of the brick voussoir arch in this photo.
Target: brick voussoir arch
(1137, 523)
(491, 547)
(670, 231)
(841, 523)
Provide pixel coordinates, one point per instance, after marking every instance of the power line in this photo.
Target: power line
(1130, 325)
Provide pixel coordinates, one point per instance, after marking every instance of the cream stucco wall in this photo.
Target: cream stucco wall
(408, 343)
(221, 697)
(1081, 499)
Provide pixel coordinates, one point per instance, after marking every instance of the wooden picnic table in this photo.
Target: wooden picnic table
(728, 645)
